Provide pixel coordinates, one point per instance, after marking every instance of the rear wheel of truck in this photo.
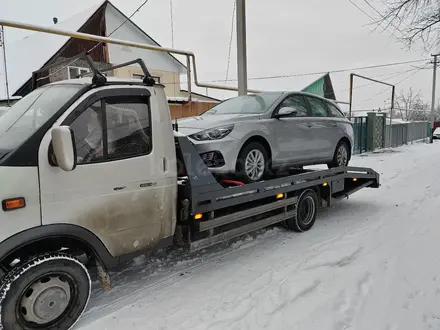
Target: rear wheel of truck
(306, 210)
(49, 291)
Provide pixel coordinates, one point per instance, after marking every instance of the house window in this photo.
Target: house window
(75, 72)
(141, 77)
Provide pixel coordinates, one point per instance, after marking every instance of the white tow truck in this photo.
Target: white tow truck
(94, 167)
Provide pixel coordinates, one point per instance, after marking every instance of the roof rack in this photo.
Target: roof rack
(98, 78)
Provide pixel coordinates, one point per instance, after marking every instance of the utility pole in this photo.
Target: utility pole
(3, 45)
(241, 47)
(434, 72)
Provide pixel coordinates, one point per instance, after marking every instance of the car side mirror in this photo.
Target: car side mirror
(286, 111)
(63, 143)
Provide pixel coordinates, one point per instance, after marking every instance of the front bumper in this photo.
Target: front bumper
(219, 155)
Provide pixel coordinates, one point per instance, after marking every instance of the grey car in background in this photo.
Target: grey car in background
(253, 135)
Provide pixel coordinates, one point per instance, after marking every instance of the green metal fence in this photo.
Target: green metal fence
(360, 134)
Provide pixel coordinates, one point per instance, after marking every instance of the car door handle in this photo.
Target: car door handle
(334, 125)
(309, 125)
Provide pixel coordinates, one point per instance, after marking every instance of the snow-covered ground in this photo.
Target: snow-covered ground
(372, 262)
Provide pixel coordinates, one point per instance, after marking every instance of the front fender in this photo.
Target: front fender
(40, 233)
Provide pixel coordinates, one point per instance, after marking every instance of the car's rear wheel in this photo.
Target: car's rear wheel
(341, 156)
(252, 162)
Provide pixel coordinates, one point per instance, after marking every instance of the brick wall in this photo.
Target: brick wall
(189, 109)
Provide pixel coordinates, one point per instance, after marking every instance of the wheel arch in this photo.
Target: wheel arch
(260, 139)
(350, 147)
(48, 238)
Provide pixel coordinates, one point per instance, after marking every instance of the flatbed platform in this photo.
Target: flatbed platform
(214, 213)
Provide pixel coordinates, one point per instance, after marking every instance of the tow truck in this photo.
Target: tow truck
(143, 187)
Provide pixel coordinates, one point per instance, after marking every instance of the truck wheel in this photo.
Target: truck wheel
(341, 156)
(252, 162)
(306, 210)
(49, 291)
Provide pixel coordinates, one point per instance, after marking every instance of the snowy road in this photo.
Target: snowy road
(372, 262)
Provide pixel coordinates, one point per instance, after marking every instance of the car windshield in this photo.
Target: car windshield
(27, 115)
(246, 104)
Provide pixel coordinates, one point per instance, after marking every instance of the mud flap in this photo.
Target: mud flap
(104, 276)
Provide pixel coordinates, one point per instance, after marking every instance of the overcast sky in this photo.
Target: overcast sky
(284, 37)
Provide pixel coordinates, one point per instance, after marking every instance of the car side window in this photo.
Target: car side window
(127, 130)
(334, 111)
(318, 107)
(297, 102)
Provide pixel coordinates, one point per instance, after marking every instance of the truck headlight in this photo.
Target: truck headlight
(213, 133)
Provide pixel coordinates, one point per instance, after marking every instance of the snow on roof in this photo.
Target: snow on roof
(32, 52)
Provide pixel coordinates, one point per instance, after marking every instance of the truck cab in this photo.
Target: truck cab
(120, 191)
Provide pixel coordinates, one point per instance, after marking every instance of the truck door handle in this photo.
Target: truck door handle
(147, 184)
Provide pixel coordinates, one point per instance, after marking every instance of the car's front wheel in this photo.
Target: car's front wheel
(252, 162)
(341, 156)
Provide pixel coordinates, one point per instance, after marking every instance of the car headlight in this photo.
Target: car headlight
(213, 133)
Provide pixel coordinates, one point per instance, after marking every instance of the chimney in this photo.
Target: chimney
(55, 20)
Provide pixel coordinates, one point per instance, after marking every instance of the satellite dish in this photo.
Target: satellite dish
(55, 20)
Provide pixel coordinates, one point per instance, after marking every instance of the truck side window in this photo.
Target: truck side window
(128, 126)
(87, 128)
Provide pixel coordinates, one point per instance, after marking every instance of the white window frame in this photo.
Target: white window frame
(78, 68)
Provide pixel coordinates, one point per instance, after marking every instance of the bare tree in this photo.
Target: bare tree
(415, 19)
(411, 107)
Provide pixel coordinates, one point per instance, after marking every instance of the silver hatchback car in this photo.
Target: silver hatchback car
(255, 134)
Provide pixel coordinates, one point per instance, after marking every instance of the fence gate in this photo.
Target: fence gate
(360, 134)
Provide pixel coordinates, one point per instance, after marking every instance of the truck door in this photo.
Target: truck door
(122, 189)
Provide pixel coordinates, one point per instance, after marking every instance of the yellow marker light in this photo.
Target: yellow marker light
(355, 179)
(325, 184)
(13, 204)
(280, 196)
(198, 216)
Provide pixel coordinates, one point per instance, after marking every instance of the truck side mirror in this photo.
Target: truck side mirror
(64, 147)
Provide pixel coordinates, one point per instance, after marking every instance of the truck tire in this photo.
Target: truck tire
(341, 156)
(306, 210)
(252, 153)
(49, 291)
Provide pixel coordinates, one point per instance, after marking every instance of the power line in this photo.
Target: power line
(230, 41)
(386, 27)
(125, 21)
(388, 78)
(99, 43)
(409, 76)
(172, 23)
(325, 72)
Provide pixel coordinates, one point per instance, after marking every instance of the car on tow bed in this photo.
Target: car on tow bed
(253, 135)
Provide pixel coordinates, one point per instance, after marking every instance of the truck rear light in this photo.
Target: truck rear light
(198, 216)
(13, 203)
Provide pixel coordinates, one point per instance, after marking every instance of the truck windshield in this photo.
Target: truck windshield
(246, 104)
(25, 117)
